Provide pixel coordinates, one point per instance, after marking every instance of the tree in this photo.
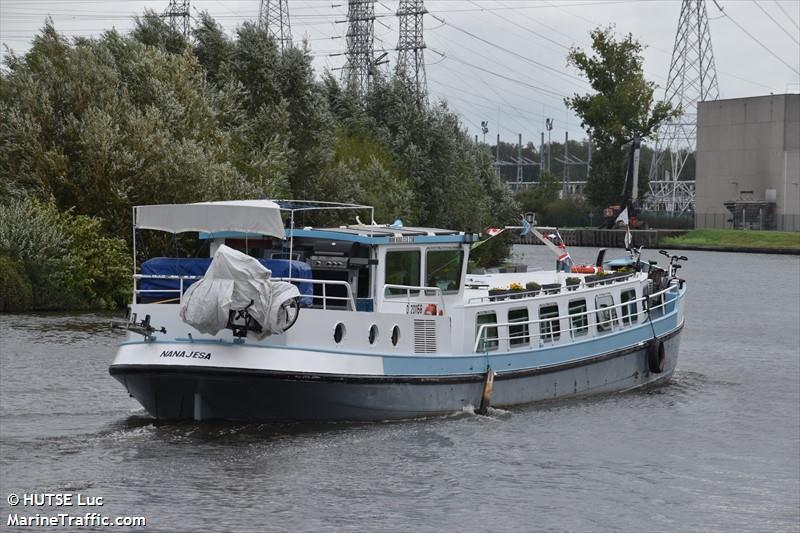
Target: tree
(536, 199)
(621, 105)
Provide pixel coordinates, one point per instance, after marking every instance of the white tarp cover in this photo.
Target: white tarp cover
(252, 216)
(232, 280)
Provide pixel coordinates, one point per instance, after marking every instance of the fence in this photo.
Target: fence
(612, 238)
(725, 221)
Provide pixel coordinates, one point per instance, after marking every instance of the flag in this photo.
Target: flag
(565, 260)
(526, 227)
(623, 217)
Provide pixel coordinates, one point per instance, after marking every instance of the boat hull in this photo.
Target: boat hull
(185, 392)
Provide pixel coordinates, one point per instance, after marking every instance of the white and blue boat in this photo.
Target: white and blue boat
(285, 322)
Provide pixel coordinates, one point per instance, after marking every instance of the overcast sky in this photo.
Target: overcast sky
(514, 93)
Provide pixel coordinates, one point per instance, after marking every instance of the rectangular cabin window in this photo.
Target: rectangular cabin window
(403, 268)
(578, 319)
(519, 334)
(444, 269)
(550, 329)
(605, 317)
(630, 310)
(489, 336)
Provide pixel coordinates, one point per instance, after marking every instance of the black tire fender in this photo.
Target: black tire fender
(656, 356)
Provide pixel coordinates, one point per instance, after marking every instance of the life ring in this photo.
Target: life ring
(656, 356)
(585, 269)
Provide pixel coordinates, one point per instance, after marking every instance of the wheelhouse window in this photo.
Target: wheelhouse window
(630, 309)
(403, 268)
(550, 329)
(578, 319)
(444, 269)
(489, 337)
(605, 317)
(519, 334)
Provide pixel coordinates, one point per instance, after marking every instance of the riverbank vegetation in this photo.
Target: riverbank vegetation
(91, 127)
(729, 239)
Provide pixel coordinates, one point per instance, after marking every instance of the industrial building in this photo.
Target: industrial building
(748, 163)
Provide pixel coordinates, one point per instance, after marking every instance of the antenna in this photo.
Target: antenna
(178, 14)
(692, 79)
(410, 46)
(360, 43)
(273, 15)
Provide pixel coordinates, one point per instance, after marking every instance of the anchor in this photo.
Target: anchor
(142, 328)
(486, 395)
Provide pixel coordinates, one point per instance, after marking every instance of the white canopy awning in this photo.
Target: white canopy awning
(250, 216)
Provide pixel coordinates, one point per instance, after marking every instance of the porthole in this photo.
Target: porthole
(395, 335)
(373, 333)
(338, 333)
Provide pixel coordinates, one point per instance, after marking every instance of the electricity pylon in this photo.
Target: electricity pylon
(692, 79)
(360, 44)
(274, 16)
(410, 46)
(177, 13)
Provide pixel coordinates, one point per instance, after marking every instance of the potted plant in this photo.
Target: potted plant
(572, 283)
(516, 290)
(551, 288)
(532, 288)
(496, 294)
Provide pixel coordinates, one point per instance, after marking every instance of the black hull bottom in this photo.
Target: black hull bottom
(180, 392)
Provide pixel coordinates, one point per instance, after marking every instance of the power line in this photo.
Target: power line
(765, 47)
(507, 78)
(518, 74)
(508, 51)
(796, 25)
(513, 23)
(759, 6)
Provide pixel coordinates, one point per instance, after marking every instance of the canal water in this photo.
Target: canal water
(718, 449)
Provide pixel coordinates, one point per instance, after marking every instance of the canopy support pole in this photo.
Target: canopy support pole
(291, 241)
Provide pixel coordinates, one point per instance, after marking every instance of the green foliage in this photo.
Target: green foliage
(536, 199)
(493, 251)
(568, 212)
(732, 239)
(15, 287)
(71, 264)
(621, 106)
(101, 125)
(151, 29)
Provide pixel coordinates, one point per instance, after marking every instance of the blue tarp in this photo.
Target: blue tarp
(173, 266)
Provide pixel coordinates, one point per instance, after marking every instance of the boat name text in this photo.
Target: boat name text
(414, 309)
(401, 240)
(184, 353)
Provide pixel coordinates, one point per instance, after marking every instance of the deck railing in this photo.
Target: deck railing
(523, 295)
(657, 303)
(327, 299)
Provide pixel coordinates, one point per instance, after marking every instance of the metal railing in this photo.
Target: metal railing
(524, 295)
(325, 297)
(482, 341)
(428, 291)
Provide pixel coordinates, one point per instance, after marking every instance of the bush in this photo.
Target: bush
(15, 287)
(70, 263)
